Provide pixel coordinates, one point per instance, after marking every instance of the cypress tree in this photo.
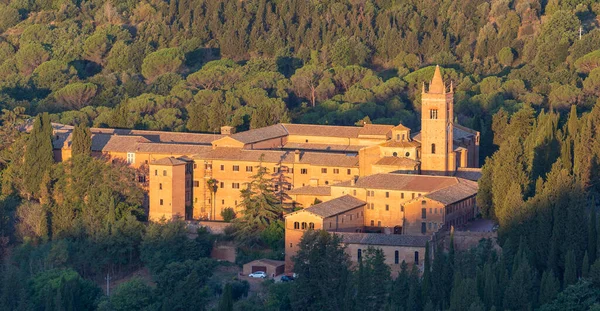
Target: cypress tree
(585, 266)
(549, 287)
(426, 285)
(592, 235)
(38, 155)
(82, 141)
(226, 303)
(570, 276)
(414, 293)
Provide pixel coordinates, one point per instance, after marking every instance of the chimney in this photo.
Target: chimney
(227, 130)
(353, 180)
(296, 156)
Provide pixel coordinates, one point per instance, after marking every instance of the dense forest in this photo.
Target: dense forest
(525, 73)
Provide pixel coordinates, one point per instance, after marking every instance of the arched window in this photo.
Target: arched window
(311, 226)
(303, 226)
(395, 154)
(398, 137)
(372, 223)
(296, 225)
(432, 148)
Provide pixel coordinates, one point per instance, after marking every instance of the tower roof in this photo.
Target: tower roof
(437, 84)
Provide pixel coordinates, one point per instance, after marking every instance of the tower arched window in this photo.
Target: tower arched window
(296, 225)
(432, 148)
(303, 226)
(311, 226)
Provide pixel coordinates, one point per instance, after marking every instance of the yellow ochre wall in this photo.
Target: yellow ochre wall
(172, 192)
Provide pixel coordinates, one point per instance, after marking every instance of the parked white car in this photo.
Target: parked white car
(258, 274)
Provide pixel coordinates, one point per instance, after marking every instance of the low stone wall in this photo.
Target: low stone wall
(223, 251)
(214, 227)
(464, 240)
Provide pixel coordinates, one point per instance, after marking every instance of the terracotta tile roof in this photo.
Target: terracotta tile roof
(270, 262)
(117, 143)
(275, 156)
(384, 239)
(322, 130)
(375, 129)
(170, 161)
(322, 147)
(400, 127)
(458, 192)
(397, 161)
(334, 207)
(163, 136)
(417, 137)
(163, 148)
(401, 144)
(469, 173)
(460, 132)
(261, 134)
(311, 190)
(406, 182)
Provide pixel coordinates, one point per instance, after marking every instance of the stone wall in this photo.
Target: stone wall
(464, 240)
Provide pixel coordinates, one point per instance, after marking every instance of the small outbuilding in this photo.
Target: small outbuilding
(271, 267)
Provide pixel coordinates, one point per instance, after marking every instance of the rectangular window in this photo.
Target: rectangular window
(222, 201)
(248, 168)
(222, 167)
(349, 171)
(236, 168)
(303, 171)
(379, 223)
(222, 185)
(160, 186)
(424, 213)
(396, 257)
(402, 208)
(196, 184)
(161, 202)
(324, 171)
(413, 195)
(208, 166)
(430, 210)
(423, 228)
(387, 207)
(387, 194)
(130, 157)
(235, 185)
(155, 172)
(164, 172)
(402, 195)
(354, 191)
(336, 170)
(372, 223)
(433, 114)
(195, 166)
(359, 254)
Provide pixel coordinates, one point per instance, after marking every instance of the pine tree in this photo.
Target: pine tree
(38, 155)
(226, 303)
(82, 141)
(260, 208)
(570, 276)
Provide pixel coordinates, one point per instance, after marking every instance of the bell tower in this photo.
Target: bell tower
(437, 111)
